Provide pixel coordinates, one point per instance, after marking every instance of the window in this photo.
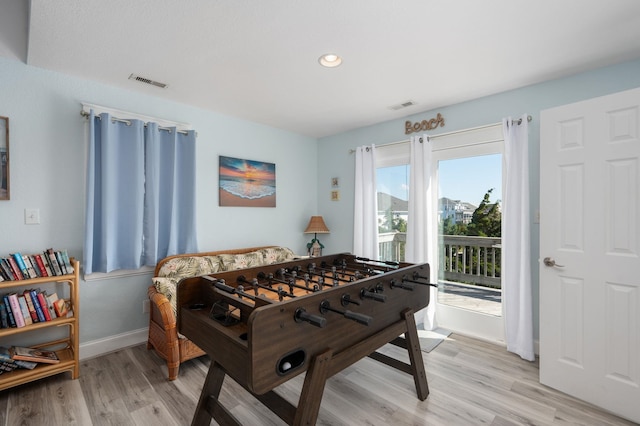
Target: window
(140, 193)
(392, 181)
(467, 166)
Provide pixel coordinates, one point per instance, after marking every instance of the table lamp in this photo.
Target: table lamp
(316, 226)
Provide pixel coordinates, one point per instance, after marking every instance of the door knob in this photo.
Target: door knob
(550, 262)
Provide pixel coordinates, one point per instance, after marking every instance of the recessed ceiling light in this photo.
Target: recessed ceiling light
(330, 60)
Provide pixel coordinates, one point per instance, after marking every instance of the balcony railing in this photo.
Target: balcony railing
(463, 259)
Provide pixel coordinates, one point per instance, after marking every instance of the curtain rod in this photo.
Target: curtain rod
(454, 132)
(128, 122)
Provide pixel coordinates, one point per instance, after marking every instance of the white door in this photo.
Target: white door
(590, 228)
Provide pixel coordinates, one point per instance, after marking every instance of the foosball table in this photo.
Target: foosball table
(263, 326)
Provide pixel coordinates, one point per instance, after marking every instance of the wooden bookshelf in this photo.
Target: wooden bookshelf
(66, 348)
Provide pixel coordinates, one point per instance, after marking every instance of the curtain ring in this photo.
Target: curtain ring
(420, 140)
(368, 149)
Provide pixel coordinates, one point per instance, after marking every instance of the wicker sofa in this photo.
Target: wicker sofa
(163, 334)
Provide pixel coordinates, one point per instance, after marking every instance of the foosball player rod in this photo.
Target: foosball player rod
(302, 315)
(405, 279)
(363, 268)
(354, 316)
(324, 266)
(320, 282)
(395, 284)
(390, 266)
(312, 270)
(290, 282)
(371, 294)
(342, 264)
(346, 299)
(255, 284)
(221, 285)
(417, 276)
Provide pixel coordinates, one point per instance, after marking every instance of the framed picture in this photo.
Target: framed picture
(335, 182)
(246, 183)
(335, 195)
(4, 158)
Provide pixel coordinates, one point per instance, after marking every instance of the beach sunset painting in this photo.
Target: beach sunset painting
(246, 183)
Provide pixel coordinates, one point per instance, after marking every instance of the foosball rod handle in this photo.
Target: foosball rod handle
(302, 315)
(354, 316)
(368, 294)
(395, 284)
(407, 280)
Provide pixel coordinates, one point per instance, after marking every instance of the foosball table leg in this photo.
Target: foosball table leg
(415, 356)
(312, 389)
(208, 405)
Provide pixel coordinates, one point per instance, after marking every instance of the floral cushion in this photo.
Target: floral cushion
(231, 262)
(191, 266)
(276, 255)
(167, 286)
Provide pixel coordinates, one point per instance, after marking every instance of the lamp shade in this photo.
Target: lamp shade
(316, 226)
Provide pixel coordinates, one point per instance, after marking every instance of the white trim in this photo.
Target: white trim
(120, 273)
(113, 343)
(398, 153)
(98, 109)
(391, 155)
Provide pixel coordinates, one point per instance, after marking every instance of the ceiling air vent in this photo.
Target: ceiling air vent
(402, 105)
(148, 81)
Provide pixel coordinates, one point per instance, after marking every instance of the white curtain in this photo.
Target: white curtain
(420, 225)
(365, 221)
(516, 252)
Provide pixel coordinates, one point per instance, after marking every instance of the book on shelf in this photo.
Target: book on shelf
(36, 304)
(44, 269)
(6, 367)
(5, 356)
(17, 257)
(15, 310)
(55, 266)
(51, 299)
(63, 267)
(43, 306)
(6, 268)
(4, 320)
(67, 261)
(31, 270)
(11, 320)
(30, 306)
(20, 353)
(15, 268)
(62, 308)
(25, 310)
(49, 263)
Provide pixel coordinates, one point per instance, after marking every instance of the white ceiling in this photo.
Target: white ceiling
(258, 59)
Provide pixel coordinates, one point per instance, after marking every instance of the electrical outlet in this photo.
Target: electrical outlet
(145, 306)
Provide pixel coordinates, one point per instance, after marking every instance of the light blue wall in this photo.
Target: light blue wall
(336, 161)
(47, 148)
(48, 153)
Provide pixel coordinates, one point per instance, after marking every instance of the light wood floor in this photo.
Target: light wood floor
(471, 383)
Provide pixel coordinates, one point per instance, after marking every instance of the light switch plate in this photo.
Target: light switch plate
(32, 216)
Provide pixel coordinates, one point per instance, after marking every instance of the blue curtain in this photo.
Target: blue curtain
(140, 194)
(170, 215)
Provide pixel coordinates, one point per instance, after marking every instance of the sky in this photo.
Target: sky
(464, 179)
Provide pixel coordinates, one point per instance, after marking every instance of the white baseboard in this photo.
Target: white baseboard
(99, 347)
